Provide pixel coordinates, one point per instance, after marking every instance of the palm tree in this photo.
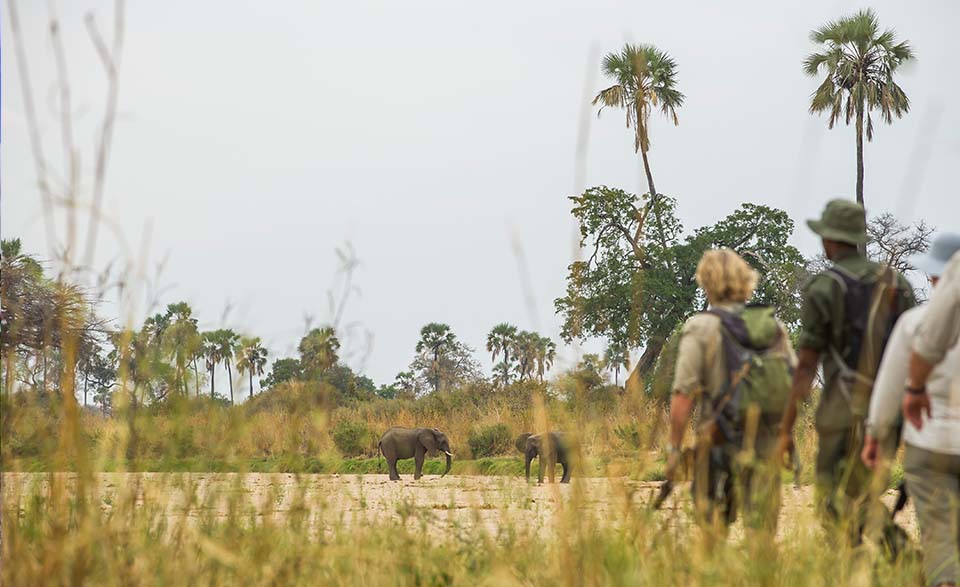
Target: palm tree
(181, 312)
(252, 358)
(546, 353)
(210, 351)
(859, 61)
(616, 357)
(645, 80)
(436, 339)
(318, 351)
(227, 342)
(182, 340)
(501, 339)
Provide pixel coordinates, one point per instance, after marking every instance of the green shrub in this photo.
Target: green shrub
(352, 439)
(490, 441)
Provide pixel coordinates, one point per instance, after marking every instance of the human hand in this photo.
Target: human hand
(673, 462)
(914, 406)
(785, 448)
(871, 448)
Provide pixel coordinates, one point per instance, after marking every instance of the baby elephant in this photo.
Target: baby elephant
(404, 443)
(550, 446)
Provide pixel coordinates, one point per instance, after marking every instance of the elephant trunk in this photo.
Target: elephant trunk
(449, 463)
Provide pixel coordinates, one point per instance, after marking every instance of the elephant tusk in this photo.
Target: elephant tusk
(448, 453)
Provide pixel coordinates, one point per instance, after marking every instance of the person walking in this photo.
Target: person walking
(847, 314)
(736, 359)
(932, 456)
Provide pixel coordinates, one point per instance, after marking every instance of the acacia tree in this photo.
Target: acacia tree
(859, 61)
(251, 358)
(894, 243)
(501, 339)
(645, 80)
(625, 293)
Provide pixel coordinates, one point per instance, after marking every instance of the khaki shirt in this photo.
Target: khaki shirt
(940, 328)
(822, 326)
(700, 364)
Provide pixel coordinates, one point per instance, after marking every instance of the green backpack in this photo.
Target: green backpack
(758, 374)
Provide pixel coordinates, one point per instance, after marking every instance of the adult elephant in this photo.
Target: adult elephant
(552, 447)
(404, 443)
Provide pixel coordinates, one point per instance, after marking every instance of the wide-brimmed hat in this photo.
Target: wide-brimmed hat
(842, 221)
(934, 261)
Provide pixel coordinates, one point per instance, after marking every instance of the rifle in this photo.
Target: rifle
(679, 471)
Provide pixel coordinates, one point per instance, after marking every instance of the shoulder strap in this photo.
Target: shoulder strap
(736, 342)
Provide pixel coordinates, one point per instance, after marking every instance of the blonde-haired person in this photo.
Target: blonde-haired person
(709, 356)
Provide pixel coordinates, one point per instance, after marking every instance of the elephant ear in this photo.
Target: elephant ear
(521, 443)
(428, 439)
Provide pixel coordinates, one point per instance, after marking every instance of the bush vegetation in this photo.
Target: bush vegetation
(489, 441)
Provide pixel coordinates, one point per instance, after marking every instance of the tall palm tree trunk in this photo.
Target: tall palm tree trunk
(196, 374)
(506, 365)
(250, 394)
(212, 378)
(230, 380)
(862, 247)
(655, 202)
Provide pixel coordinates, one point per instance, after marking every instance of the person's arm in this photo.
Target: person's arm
(814, 336)
(937, 333)
(916, 401)
(803, 376)
(939, 330)
(688, 380)
(888, 386)
(887, 393)
(680, 407)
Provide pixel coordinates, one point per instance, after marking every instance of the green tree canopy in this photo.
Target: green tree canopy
(442, 360)
(501, 341)
(281, 371)
(625, 293)
(318, 351)
(251, 358)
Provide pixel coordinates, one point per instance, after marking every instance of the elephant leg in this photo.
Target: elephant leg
(392, 465)
(552, 470)
(526, 466)
(418, 460)
(540, 469)
(566, 472)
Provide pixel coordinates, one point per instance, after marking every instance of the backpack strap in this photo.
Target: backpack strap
(884, 289)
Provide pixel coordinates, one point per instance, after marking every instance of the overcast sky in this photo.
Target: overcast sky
(439, 139)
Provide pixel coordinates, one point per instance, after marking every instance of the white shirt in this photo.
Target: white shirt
(941, 432)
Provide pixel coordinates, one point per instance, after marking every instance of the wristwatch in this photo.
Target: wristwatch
(911, 390)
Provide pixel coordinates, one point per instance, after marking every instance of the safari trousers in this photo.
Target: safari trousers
(933, 480)
(726, 480)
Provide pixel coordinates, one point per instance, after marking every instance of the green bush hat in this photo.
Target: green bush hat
(842, 221)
